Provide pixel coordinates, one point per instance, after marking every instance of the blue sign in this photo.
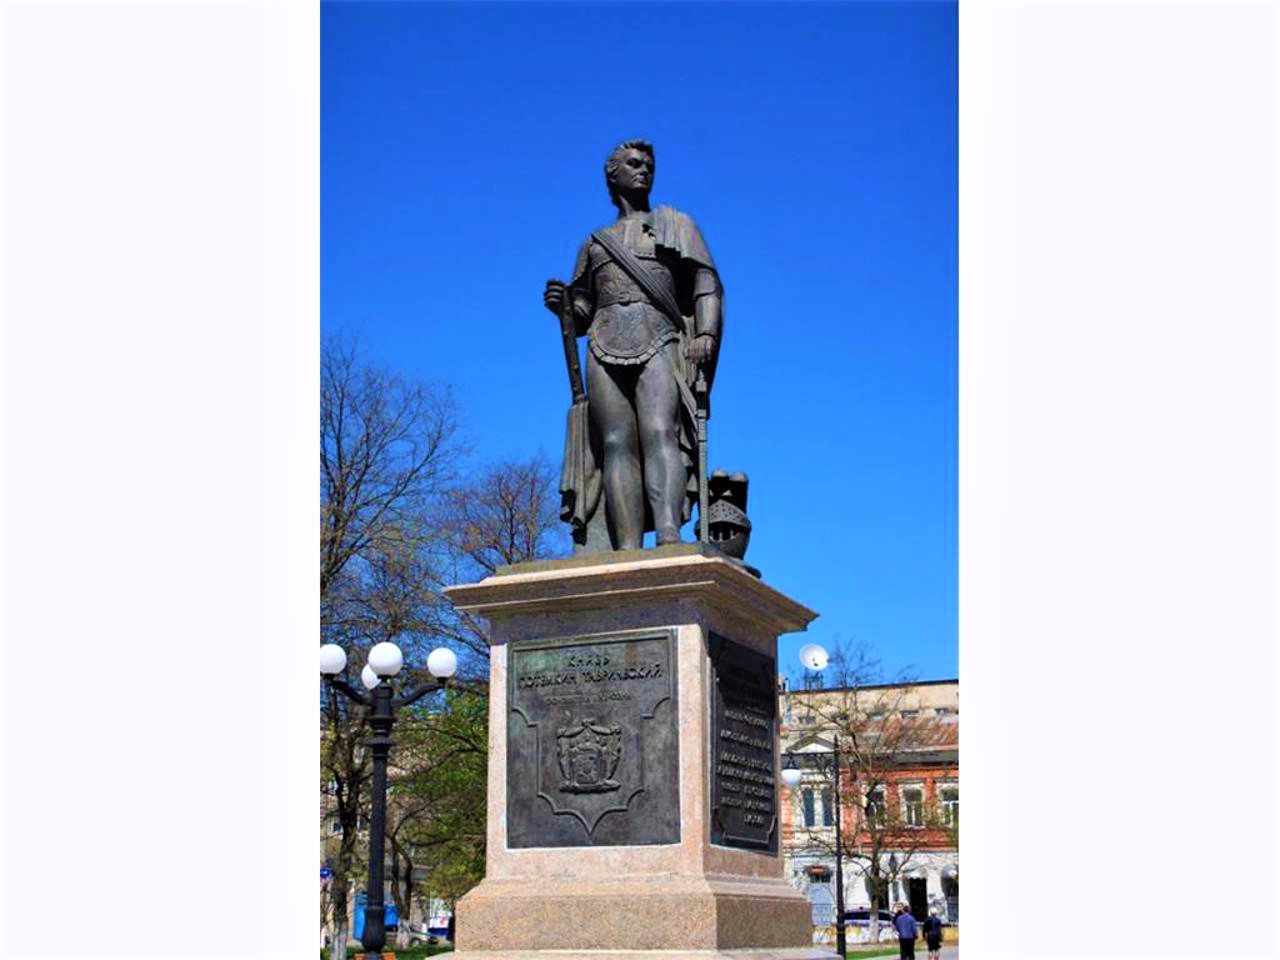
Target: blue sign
(325, 873)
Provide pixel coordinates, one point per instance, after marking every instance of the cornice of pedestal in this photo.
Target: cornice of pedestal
(605, 580)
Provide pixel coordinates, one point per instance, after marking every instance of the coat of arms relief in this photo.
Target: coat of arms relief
(588, 755)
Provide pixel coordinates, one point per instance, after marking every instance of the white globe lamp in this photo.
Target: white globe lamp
(442, 663)
(386, 659)
(791, 777)
(369, 678)
(333, 659)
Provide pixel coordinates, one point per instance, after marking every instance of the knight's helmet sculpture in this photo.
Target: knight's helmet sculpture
(727, 523)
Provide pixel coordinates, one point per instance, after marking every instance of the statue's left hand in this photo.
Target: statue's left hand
(701, 349)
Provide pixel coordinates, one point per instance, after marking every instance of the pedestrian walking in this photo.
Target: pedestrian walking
(905, 924)
(933, 934)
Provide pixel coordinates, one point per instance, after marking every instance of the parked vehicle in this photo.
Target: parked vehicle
(857, 924)
(423, 936)
(433, 930)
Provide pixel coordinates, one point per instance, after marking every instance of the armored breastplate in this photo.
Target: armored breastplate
(626, 327)
(614, 285)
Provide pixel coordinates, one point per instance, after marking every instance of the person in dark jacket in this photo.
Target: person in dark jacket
(933, 934)
(905, 924)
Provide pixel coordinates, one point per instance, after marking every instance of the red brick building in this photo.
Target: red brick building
(899, 796)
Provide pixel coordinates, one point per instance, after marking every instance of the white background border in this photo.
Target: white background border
(161, 376)
(1117, 478)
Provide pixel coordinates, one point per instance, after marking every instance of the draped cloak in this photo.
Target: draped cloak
(581, 484)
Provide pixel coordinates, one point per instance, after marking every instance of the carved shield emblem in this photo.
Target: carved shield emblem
(588, 753)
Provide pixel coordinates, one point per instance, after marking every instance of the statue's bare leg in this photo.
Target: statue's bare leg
(614, 418)
(657, 403)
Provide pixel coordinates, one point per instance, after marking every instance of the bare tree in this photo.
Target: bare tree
(878, 737)
(387, 449)
(399, 521)
(345, 775)
(506, 513)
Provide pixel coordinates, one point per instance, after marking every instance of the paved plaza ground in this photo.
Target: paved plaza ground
(950, 951)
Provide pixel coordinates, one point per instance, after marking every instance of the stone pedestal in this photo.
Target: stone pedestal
(633, 762)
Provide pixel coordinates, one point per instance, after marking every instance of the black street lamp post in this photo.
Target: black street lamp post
(791, 776)
(835, 792)
(815, 659)
(385, 661)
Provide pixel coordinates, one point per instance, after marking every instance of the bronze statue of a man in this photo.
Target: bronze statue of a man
(646, 293)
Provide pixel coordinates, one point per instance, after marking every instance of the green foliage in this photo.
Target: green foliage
(436, 806)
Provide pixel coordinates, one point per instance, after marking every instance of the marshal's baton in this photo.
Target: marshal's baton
(571, 361)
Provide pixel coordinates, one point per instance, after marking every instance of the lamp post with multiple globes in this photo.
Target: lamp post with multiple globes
(384, 663)
(814, 657)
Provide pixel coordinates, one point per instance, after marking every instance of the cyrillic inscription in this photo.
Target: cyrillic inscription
(743, 719)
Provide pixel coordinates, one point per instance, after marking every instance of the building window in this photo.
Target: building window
(913, 806)
(876, 805)
(875, 715)
(944, 711)
(335, 826)
(910, 714)
(806, 800)
(949, 797)
(828, 809)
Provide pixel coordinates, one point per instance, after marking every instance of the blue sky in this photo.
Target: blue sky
(815, 144)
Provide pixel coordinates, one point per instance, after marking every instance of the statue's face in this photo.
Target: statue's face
(634, 172)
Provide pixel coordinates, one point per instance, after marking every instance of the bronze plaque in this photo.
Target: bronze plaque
(744, 702)
(592, 748)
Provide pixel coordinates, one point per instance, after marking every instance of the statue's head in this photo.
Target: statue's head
(629, 169)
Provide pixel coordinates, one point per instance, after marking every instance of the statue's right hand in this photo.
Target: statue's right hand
(553, 296)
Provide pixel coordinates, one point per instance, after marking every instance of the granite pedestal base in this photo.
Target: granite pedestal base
(633, 763)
